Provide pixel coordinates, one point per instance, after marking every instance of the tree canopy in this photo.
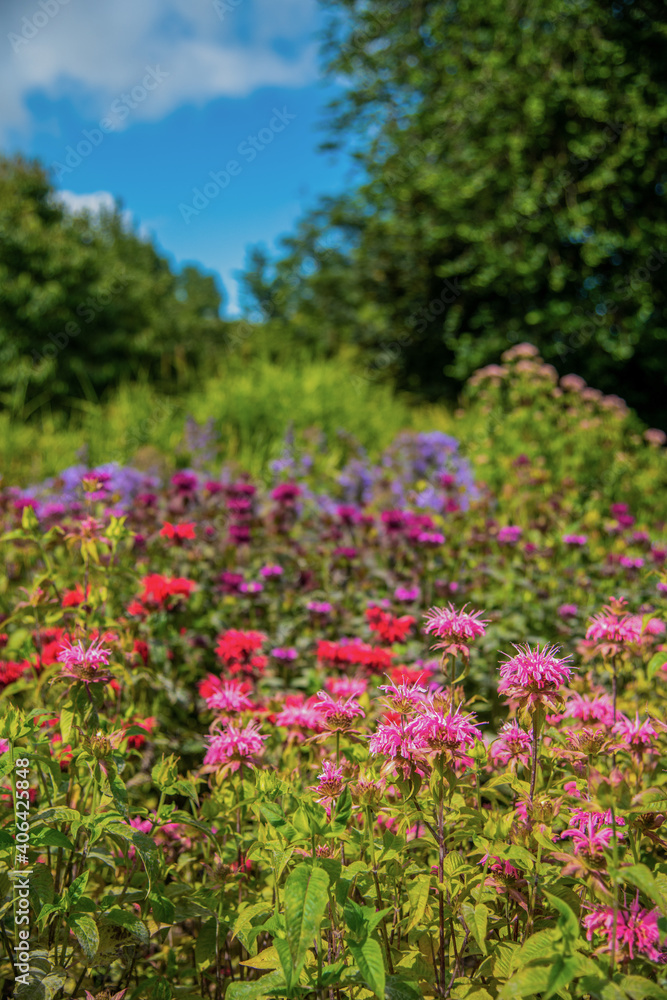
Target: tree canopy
(513, 166)
(85, 302)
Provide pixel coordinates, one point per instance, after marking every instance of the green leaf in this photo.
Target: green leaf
(370, 963)
(398, 989)
(640, 988)
(87, 934)
(642, 877)
(655, 663)
(418, 893)
(48, 836)
(67, 720)
(568, 924)
(272, 982)
(130, 921)
(148, 852)
(76, 890)
(343, 809)
(205, 947)
(306, 897)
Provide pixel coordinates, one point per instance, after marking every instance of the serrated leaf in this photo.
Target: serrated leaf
(369, 960)
(130, 921)
(87, 934)
(267, 959)
(147, 850)
(305, 899)
(418, 893)
(639, 988)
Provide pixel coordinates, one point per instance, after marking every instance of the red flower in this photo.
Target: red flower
(73, 598)
(178, 531)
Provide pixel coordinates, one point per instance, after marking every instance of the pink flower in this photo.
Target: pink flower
(4, 746)
(587, 708)
(612, 630)
(591, 832)
(230, 747)
(534, 675)
(512, 744)
(346, 687)
(83, 664)
(338, 715)
(575, 539)
(510, 534)
(457, 629)
(389, 740)
(637, 736)
(330, 782)
(434, 732)
(297, 717)
(636, 930)
(229, 699)
(403, 697)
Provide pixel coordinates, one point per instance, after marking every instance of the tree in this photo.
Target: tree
(86, 302)
(514, 166)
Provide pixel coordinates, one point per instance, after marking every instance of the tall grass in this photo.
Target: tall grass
(252, 405)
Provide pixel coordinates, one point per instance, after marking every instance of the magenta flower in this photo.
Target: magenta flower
(510, 534)
(298, 717)
(389, 740)
(229, 699)
(575, 539)
(433, 732)
(534, 675)
(590, 708)
(403, 697)
(81, 664)
(230, 747)
(338, 715)
(4, 746)
(512, 744)
(612, 630)
(637, 736)
(456, 629)
(346, 687)
(591, 833)
(636, 931)
(330, 782)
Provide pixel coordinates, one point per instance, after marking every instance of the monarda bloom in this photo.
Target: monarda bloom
(84, 664)
(455, 629)
(434, 732)
(330, 782)
(512, 746)
(338, 716)
(636, 931)
(230, 747)
(534, 676)
(638, 737)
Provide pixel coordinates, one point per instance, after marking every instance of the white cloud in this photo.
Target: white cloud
(93, 203)
(92, 51)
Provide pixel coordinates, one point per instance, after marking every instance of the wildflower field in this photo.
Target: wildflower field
(390, 727)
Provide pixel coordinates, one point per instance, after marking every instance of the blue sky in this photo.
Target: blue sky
(143, 100)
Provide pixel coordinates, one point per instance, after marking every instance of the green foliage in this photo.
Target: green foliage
(513, 166)
(87, 303)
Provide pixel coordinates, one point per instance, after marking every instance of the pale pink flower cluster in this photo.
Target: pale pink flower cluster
(636, 931)
(232, 746)
(303, 716)
(403, 697)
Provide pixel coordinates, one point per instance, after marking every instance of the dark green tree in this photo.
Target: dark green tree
(85, 302)
(513, 169)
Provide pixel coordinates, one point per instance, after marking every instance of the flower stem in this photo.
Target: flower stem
(441, 874)
(535, 747)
